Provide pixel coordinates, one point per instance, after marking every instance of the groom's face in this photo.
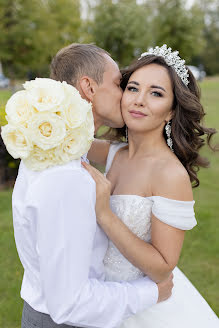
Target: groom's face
(107, 100)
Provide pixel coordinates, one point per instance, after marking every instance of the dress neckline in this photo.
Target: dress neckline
(131, 195)
(154, 197)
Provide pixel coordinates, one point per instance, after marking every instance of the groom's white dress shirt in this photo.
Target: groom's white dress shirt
(61, 248)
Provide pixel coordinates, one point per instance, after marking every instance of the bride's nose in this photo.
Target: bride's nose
(140, 100)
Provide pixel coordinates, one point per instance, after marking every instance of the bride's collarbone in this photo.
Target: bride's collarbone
(137, 177)
(130, 181)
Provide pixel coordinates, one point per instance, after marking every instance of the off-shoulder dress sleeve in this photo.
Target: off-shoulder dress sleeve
(176, 213)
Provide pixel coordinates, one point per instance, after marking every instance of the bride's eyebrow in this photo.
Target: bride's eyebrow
(133, 82)
(157, 87)
(152, 86)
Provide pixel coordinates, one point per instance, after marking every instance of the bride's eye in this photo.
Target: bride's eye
(157, 94)
(133, 89)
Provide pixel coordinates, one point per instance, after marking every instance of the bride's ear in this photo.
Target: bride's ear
(87, 87)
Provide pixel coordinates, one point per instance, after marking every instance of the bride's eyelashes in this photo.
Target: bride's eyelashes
(157, 94)
(154, 93)
(133, 89)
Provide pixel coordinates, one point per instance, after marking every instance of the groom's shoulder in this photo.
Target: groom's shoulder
(70, 174)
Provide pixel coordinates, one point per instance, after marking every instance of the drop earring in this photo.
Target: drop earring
(168, 133)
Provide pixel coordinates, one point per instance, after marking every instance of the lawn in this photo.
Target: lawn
(199, 259)
(4, 95)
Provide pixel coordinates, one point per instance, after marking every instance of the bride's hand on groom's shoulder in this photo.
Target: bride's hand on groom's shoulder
(103, 191)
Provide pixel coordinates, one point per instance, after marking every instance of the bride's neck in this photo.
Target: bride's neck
(147, 143)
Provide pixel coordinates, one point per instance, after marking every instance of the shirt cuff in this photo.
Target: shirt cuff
(147, 291)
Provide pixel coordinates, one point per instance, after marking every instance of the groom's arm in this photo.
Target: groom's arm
(98, 151)
(65, 211)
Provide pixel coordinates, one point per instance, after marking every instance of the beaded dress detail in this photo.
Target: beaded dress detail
(135, 212)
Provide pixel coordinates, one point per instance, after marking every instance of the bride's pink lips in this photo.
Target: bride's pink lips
(137, 114)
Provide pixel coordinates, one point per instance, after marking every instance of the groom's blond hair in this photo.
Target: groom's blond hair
(77, 60)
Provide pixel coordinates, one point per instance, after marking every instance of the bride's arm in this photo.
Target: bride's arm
(99, 151)
(159, 258)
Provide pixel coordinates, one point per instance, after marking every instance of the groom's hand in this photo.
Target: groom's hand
(165, 288)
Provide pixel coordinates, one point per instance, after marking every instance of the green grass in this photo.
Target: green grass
(10, 268)
(199, 259)
(4, 95)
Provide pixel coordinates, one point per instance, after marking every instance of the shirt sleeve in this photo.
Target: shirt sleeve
(66, 226)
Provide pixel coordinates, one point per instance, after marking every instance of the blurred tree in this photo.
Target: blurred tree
(210, 54)
(66, 22)
(120, 27)
(179, 27)
(32, 31)
(127, 27)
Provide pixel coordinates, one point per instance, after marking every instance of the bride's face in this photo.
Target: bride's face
(148, 99)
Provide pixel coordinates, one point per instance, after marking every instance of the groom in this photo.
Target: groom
(59, 243)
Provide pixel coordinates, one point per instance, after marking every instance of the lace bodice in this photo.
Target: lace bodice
(135, 211)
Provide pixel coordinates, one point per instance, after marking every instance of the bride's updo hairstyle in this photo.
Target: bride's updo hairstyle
(188, 133)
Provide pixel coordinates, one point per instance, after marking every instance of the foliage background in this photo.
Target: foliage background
(33, 31)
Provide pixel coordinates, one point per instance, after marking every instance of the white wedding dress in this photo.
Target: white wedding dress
(186, 308)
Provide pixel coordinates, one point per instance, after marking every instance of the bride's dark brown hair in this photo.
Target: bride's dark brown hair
(187, 130)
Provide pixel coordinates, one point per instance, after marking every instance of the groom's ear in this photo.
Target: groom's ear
(87, 87)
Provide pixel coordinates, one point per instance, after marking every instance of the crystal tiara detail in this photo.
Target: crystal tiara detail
(172, 59)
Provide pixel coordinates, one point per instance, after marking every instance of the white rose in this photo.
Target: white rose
(47, 130)
(45, 94)
(77, 142)
(17, 141)
(74, 146)
(40, 159)
(18, 109)
(88, 126)
(75, 107)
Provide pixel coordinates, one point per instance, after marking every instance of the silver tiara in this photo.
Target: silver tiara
(172, 59)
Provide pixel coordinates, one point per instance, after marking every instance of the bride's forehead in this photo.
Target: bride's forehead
(151, 73)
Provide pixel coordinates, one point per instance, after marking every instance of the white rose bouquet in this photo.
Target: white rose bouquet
(48, 124)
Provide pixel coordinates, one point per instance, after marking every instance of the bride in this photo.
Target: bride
(145, 202)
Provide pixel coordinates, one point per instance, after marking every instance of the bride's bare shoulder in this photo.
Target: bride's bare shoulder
(171, 180)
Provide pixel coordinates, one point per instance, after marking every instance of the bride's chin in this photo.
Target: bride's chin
(134, 128)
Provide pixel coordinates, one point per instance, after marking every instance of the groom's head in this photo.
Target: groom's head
(97, 77)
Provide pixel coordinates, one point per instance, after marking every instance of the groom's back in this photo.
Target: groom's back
(29, 188)
(25, 231)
